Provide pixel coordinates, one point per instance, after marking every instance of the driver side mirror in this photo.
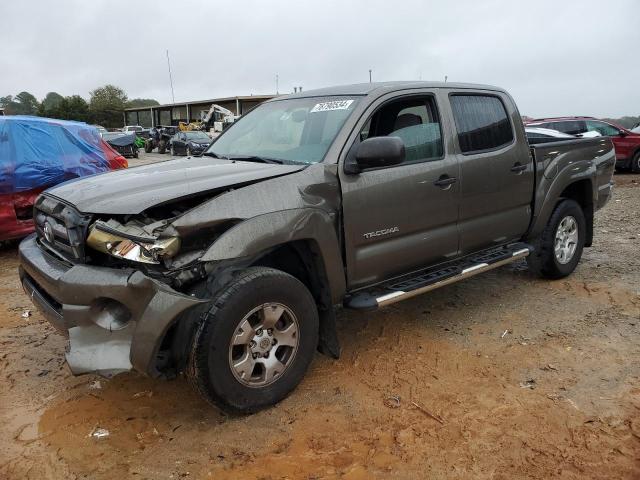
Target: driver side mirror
(377, 152)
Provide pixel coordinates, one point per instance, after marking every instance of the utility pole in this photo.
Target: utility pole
(173, 98)
(369, 75)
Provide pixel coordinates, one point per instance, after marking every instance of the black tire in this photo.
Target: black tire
(543, 260)
(148, 146)
(209, 364)
(162, 146)
(635, 163)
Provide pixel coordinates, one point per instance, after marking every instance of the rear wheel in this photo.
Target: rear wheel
(162, 146)
(255, 342)
(559, 248)
(635, 163)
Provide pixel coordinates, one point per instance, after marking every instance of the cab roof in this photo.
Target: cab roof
(379, 88)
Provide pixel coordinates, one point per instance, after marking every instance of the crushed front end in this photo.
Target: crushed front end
(114, 314)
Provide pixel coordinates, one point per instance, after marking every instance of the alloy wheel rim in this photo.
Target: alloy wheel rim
(263, 345)
(566, 240)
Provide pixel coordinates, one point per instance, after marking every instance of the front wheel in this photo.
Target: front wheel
(255, 342)
(559, 248)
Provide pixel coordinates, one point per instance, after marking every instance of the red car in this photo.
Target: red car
(626, 142)
(37, 153)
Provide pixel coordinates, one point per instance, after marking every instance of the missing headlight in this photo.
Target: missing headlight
(108, 239)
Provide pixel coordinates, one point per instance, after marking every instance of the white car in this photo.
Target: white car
(589, 134)
(132, 128)
(543, 135)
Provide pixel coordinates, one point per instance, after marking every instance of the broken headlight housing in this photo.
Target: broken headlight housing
(143, 248)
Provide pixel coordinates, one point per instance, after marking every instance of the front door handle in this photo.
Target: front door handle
(445, 181)
(518, 167)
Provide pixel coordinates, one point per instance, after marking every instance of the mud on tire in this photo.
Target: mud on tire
(212, 363)
(544, 261)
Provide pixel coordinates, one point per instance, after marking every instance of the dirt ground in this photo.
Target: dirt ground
(503, 376)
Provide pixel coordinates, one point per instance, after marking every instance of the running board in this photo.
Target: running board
(423, 281)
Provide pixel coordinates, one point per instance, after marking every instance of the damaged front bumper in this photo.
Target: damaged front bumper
(115, 318)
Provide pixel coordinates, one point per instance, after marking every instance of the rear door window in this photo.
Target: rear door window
(481, 121)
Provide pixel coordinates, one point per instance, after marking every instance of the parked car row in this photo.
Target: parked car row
(626, 142)
(177, 142)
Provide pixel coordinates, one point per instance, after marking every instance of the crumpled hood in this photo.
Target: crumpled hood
(131, 191)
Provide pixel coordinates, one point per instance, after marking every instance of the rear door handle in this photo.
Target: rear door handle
(445, 181)
(518, 167)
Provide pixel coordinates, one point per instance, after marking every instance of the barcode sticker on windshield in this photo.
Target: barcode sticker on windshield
(335, 105)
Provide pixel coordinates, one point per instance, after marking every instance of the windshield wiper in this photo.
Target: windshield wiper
(254, 158)
(211, 154)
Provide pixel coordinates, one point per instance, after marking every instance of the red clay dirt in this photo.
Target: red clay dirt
(503, 376)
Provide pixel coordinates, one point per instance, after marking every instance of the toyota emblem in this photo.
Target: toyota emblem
(48, 232)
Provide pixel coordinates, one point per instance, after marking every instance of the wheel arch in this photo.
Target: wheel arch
(581, 190)
(300, 242)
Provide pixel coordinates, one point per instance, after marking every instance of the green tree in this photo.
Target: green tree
(51, 101)
(141, 102)
(73, 108)
(27, 104)
(65, 108)
(107, 104)
(8, 104)
(22, 104)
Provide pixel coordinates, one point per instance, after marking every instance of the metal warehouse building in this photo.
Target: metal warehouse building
(173, 113)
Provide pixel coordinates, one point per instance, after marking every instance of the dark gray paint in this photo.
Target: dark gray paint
(322, 205)
(131, 191)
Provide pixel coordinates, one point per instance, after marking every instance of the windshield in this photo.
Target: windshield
(197, 136)
(298, 130)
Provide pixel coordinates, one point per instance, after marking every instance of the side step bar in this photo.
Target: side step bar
(424, 281)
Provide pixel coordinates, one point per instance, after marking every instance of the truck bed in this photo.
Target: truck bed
(552, 158)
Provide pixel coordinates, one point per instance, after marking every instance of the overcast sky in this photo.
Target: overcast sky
(556, 57)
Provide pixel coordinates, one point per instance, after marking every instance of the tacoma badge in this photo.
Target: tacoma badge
(379, 233)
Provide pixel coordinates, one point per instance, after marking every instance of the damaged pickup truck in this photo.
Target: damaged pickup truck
(227, 267)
